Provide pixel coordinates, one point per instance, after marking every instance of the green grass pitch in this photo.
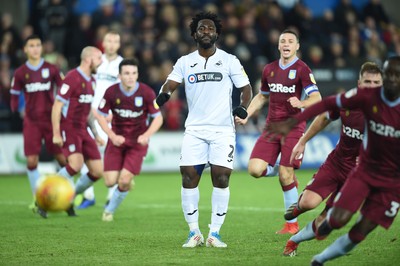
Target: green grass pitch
(149, 228)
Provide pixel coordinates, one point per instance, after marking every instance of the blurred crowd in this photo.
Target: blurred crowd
(157, 33)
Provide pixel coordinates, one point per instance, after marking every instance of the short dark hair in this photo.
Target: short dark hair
(291, 32)
(128, 62)
(201, 16)
(32, 37)
(370, 67)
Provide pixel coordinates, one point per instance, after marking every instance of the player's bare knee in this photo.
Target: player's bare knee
(307, 203)
(254, 172)
(339, 218)
(221, 181)
(32, 162)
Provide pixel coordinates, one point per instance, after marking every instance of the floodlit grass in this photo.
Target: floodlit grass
(149, 228)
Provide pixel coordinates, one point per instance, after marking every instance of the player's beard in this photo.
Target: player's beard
(207, 45)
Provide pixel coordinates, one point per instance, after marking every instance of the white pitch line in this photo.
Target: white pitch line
(171, 206)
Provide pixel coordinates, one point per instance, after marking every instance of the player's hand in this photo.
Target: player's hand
(143, 140)
(162, 98)
(57, 140)
(240, 121)
(294, 102)
(117, 140)
(99, 141)
(240, 111)
(297, 152)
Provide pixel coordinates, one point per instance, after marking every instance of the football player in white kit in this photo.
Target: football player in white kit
(208, 75)
(107, 75)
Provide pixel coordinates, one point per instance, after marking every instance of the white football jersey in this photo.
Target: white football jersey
(208, 86)
(107, 75)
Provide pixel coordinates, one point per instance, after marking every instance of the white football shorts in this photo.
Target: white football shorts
(202, 146)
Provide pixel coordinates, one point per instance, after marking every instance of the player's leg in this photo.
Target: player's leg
(288, 179)
(327, 181)
(290, 195)
(130, 160)
(32, 146)
(219, 204)
(263, 158)
(88, 198)
(95, 172)
(124, 178)
(194, 153)
(351, 196)
(259, 168)
(93, 162)
(305, 234)
(221, 157)
(347, 242)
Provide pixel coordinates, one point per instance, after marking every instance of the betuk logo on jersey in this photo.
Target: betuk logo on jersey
(45, 73)
(203, 77)
(139, 101)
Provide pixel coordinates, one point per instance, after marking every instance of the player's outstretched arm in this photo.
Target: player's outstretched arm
(319, 123)
(256, 104)
(165, 92)
(312, 99)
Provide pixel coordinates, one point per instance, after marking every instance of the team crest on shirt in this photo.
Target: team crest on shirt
(218, 64)
(374, 109)
(83, 85)
(117, 101)
(139, 101)
(64, 89)
(350, 93)
(292, 74)
(45, 73)
(102, 103)
(26, 76)
(272, 74)
(312, 78)
(72, 148)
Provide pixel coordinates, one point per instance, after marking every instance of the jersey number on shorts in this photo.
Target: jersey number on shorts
(393, 210)
(230, 155)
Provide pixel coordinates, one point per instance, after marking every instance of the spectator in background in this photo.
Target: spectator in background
(315, 57)
(345, 16)
(54, 57)
(375, 10)
(10, 41)
(105, 15)
(375, 48)
(80, 35)
(57, 15)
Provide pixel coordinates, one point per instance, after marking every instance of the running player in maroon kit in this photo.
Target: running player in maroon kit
(374, 184)
(333, 173)
(38, 81)
(131, 104)
(70, 117)
(282, 84)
